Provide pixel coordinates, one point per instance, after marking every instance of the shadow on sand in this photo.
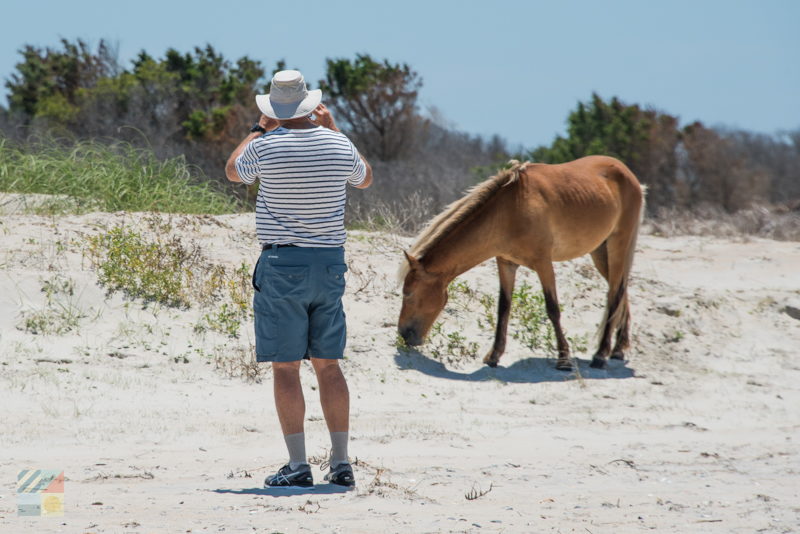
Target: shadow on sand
(526, 371)
(319, 489)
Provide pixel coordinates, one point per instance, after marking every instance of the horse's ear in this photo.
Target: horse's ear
(413, 263)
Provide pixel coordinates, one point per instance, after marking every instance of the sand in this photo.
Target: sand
(699, 431)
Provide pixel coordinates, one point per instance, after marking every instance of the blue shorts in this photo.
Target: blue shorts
(298, 304)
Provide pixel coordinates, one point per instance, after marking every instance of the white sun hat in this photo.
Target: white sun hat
(288, 97)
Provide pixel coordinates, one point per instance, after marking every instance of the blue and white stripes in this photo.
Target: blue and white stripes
(302, 176)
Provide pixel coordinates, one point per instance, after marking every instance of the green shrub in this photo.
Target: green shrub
(233, 289)
(450, 346)
(532, 327)
(157, 271)
(167, 271)
(529, 321)
(487, 320)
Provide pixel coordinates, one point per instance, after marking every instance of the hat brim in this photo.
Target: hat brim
(276, 110)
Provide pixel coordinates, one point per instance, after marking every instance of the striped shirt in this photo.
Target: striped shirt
(302, 184)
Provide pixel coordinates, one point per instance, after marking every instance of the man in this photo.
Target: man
(303, 165)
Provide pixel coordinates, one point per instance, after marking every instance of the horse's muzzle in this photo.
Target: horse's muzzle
(410, 336)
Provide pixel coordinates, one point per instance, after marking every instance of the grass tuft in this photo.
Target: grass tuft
(89, 175)
(60, 314)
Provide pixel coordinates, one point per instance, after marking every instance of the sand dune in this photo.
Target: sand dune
(698, 432)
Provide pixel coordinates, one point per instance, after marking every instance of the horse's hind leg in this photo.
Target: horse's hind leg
(618, 255)
(600, 260)
(623, 332)
(548, 279)
(507, 272)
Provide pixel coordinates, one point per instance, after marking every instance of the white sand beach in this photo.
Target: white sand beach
(699, 431)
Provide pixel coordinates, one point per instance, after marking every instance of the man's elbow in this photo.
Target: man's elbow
(230, 172)
(367, 180)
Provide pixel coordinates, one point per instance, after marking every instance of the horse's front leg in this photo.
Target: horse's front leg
(548, 279)
(507, 272)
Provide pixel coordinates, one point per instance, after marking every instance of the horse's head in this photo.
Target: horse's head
(424, 297)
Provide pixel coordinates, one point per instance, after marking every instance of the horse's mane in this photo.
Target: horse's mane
(460, 210)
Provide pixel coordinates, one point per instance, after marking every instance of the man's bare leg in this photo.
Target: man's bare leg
(291, 408)
(333, 394)
(335, 399)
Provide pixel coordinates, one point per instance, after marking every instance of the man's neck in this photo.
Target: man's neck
(300, 123)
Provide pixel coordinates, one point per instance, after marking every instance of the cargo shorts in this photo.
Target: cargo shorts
(298, 304)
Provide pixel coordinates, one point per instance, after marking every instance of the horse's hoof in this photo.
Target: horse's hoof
(564, 365)
(492, 359)
(598, 363)
(618, 355)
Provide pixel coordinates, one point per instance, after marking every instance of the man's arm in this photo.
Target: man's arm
(324, 118)
(230, 167)
(368, 177)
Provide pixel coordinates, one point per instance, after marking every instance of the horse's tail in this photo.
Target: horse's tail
(617, 309)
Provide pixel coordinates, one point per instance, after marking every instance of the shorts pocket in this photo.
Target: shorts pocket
(337, 271)
(336, 278)
(266, 330)
(288, 280)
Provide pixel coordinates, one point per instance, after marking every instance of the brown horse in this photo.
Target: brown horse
(531, 215)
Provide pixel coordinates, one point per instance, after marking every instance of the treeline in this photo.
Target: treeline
(683, 167)
(198, 105)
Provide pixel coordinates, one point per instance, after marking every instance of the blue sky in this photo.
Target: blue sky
(512, 68)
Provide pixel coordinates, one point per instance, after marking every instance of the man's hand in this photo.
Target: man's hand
(230, 167)
(324, 118)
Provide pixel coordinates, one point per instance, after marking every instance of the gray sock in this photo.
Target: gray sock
(339, 448)
(296, 443)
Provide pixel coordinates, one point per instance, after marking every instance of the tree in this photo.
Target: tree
(210, 89)
(612, 129)
(196, 104)
(377, 103)
(47, 81)
(89, 94)
(645, 140)
(718, 173)
(776, 156)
